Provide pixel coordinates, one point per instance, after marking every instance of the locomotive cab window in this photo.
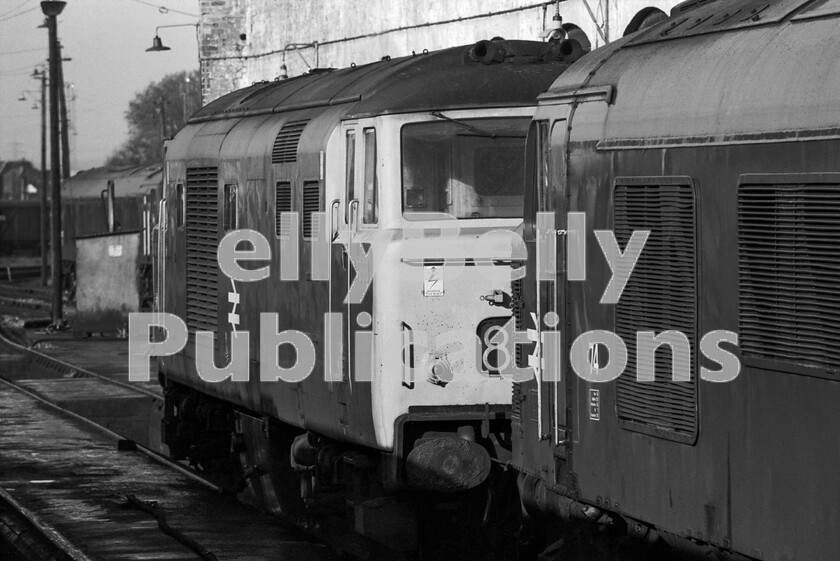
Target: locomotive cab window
(349, 168)
(467, 168)
(545, 196)
(369, 202)
(229, 210)
(538, 195)
(180, 207)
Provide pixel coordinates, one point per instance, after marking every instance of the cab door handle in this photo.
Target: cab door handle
(353, 220)
(334, 219)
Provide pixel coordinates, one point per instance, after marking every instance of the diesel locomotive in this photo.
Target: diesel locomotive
(717, 131)
(378, 204)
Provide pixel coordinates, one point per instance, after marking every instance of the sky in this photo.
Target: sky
(106, 40)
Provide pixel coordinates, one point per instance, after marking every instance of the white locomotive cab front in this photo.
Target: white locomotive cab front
(439, 218)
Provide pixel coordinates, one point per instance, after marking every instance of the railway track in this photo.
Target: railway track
(119, 414)
(73, 488)
(19, 272)
(20, 297)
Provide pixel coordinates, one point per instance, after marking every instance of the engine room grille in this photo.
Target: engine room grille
(311, 204)
(282, 203)
(285, 146)
(202, 232)
(789, 297)
(518, 319)
(660, 295)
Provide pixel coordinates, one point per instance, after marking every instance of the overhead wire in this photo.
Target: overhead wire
(16, 8)
(164, 9)
(28, 68)
(9, 17)
(4, 53)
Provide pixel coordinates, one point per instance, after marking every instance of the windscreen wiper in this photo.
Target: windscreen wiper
(475, 130)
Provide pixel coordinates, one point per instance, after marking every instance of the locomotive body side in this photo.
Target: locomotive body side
(719, 135)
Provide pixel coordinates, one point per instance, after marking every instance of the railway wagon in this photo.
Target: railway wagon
(381, 201)
(716, 131)
(19, 228)
(88, 208)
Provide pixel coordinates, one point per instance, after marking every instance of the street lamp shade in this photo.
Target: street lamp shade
(22, 96)
(157, 45)
(52, 8)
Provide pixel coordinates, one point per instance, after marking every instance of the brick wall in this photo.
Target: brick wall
(245, 41)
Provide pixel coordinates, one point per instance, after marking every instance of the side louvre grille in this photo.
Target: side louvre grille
(519, 356)
(202, 229)
(285, 146)
(788, 269)
(518, 313)
(282, 203)
(659, 296)
(311, 203)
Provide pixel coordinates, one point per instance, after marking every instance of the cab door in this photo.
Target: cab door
(553, 292)
(363, 217)
(547, 398)
(354, 217)
(337, 326)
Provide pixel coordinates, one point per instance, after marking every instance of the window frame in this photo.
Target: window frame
(400, 170)
(370, 183)
(230, 193)
(180, 205)
(349, 169)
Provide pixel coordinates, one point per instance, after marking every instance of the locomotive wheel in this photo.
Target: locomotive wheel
(263, 446)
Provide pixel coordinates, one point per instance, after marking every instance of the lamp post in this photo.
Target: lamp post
(51, 9)
(158, 46)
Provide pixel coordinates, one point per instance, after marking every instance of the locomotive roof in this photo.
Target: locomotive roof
(128, 180)
(718, 71)
(445, 78)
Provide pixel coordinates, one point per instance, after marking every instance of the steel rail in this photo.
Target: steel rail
(60, 365)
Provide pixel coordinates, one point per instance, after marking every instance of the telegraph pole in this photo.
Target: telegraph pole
(45, 231)
(62, 107)
(51, 9)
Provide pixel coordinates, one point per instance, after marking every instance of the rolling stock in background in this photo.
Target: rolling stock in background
(94, 201)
